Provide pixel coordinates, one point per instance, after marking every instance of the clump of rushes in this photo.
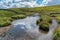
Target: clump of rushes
(58, 19)
(39, 21)
(44, 18)
(44, 22)
(5, 21)
(44, 26)
(18, 16)
(52, 15)
(57, 33)
(50, 21)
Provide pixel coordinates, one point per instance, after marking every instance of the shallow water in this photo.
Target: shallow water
(26, 29)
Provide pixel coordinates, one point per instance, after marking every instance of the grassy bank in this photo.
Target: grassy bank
(57, 30)
(57, 33)
(6, 17)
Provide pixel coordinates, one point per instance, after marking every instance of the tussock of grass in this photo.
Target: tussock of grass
(44, 26)
(57, 33)
(18, 16)
(44, 22)
(5, 21)
(58, 19)
(44, 18)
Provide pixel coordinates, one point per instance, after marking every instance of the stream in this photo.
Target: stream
(26, 29)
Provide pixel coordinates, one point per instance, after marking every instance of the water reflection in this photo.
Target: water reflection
(26, 29)
(17, 31)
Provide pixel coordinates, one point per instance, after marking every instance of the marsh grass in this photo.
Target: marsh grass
(5, 21)
(57, 33)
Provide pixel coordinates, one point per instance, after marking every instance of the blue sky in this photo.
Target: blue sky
(39, 1)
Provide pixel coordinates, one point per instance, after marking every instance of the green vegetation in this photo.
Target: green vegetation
(58, 19)
(45, 18)
(5, 21)
(57, 30)
(6, 17)
(44, 22)
(57, 33)
(18, 16)
(44, 26)
(56, 16)
(46, 14)
(46, 9)
(4, 13)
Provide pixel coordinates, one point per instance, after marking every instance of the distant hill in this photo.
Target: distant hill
(54, 8)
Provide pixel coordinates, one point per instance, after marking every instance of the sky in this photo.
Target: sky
(39, 1)
(26, 3)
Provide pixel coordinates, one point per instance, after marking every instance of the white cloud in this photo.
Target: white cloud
(18, 3)
(45, 2)
(53, 2)
(26, 3)
(50, 2)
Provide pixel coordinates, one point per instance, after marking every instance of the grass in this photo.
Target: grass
(46, 9)
(57, 33)
(44, 22)
(44, 18)
(6, 13)
(44, 26)
(56, 16)
(5, 21)
(57, 30)
(6, 17)
(58, 19)
(18, 16)
(46, 13)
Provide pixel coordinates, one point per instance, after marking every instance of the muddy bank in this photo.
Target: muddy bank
(3, 30)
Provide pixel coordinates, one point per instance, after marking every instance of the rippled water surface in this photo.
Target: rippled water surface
(26, 29)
